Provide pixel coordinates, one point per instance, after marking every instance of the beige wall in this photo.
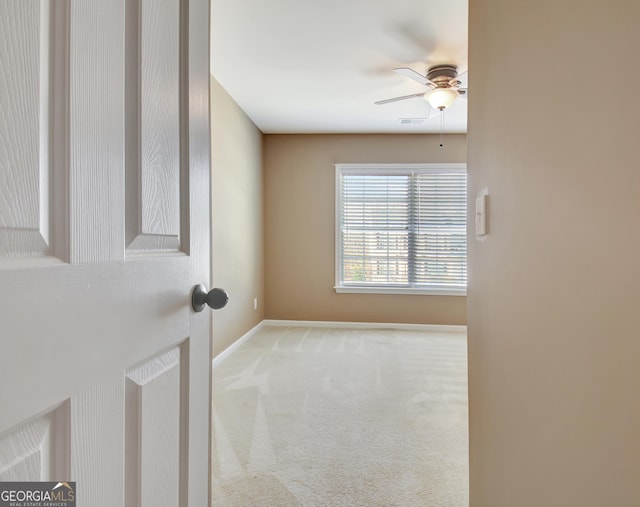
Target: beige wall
(554, 296)
(300, 227)
(237, 253)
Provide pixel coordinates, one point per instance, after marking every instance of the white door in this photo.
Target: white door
(104, 230)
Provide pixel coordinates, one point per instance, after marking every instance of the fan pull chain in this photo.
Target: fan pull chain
(441, 127)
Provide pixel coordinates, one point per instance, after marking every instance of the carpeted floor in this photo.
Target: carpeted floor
(342, 417)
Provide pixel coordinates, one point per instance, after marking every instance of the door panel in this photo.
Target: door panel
(154, 397)
(160, 121)
(154, 124)
(104, 230)
(25, 213)
(39, 448)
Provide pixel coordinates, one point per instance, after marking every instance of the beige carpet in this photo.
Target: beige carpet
(342, 417)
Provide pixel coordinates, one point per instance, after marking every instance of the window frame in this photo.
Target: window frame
(385, 169)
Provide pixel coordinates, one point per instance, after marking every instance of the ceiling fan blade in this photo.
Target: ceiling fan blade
(412, 74)
(396, 99)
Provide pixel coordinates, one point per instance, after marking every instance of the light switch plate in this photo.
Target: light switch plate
(481, 215)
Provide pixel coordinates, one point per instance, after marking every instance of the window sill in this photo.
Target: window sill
(399, 290)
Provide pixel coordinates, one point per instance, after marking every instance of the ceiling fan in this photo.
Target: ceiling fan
(443, 83)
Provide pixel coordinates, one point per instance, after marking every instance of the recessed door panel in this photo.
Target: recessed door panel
(26, 107)
(38, 450)
(152, 436)
(153, 123)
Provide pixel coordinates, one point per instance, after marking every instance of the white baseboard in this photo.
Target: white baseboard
(217, 361)
(432, 328)
(429, 328)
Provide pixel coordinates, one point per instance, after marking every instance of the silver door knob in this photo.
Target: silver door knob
(215, 298)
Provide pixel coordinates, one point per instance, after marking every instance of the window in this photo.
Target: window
(401, 228)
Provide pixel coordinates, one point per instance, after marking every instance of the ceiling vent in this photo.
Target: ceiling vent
(412, 121)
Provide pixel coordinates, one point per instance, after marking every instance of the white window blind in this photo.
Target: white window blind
(402, 227)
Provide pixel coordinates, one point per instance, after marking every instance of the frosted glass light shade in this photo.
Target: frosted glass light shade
(441, 98)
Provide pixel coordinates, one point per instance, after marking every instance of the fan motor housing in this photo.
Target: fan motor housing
(439, 73)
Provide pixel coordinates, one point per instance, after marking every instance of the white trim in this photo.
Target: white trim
(218, 360)
(432, 328)
(337, 245)
(435, 167)
(346, 289)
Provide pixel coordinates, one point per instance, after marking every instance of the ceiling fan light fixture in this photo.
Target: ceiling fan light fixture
(441, 98)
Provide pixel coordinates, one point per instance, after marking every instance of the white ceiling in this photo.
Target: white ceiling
(318, 66)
